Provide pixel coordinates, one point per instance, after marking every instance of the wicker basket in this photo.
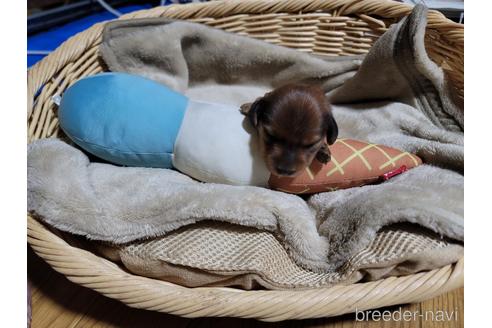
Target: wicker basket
(331, 28)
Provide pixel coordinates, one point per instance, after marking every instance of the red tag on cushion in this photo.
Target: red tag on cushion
(393, 173)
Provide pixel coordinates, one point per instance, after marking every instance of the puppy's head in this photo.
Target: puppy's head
(295, 125)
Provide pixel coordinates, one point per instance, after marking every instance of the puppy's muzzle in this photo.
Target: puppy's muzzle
(284, 171)
(285, 164)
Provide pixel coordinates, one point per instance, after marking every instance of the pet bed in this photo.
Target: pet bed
(346, 27)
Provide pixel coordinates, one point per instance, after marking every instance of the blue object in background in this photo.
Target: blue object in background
(52, 38)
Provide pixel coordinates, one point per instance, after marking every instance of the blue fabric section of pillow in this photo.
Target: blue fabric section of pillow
(122, 118)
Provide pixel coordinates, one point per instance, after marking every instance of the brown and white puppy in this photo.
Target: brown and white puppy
(295, 125)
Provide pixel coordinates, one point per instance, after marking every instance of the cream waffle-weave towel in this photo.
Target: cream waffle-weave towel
(214, 254)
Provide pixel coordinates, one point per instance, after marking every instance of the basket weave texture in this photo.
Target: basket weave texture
(330, 28)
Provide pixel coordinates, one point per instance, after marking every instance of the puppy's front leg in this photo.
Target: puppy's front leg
(324, 154)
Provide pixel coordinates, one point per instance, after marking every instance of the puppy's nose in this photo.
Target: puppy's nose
(284, 171)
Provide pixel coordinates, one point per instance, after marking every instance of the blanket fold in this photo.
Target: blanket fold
(399, 69)
(394, 96)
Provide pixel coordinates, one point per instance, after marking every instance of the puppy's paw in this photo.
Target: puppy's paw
(323, 155)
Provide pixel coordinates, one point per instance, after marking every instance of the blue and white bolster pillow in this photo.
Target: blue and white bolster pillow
(133, 121)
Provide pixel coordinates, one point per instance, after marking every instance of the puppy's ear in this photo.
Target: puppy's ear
(251, 111)
(331, 129)
(323, 155)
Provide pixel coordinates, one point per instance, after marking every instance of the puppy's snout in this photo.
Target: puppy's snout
(285, 164)
(287, 171)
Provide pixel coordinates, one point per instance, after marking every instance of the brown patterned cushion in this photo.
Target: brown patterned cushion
(353, 163)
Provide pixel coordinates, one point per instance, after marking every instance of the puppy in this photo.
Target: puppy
(295, 125)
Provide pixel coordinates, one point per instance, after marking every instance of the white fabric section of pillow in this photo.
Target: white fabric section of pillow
(216, 144)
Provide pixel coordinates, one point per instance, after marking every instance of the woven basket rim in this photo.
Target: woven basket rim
(51, 64)
(89, 270)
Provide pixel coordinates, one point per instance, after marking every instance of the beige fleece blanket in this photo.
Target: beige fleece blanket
(396, 97)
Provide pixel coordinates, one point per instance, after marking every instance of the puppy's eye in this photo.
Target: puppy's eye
(311, 145)
(270, 137)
